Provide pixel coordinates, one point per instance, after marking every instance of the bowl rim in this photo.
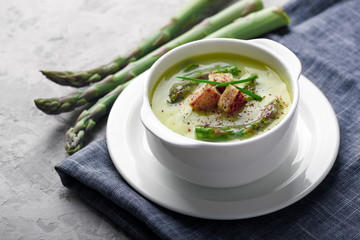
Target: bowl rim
(157, 128)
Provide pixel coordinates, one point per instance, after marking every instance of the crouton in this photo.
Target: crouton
(231, 100)
(204, 98)
(221, 78)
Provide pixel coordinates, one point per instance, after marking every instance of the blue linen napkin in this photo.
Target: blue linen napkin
(325, 35)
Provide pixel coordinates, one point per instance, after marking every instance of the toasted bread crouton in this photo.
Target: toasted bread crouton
(231, 100)
(221, 78)
(204, 98)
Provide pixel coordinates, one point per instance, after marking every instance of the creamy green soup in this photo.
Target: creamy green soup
(181, 118)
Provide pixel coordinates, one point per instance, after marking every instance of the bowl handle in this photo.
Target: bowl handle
(283, 52)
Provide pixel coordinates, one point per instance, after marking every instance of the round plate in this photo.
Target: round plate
(312, 156)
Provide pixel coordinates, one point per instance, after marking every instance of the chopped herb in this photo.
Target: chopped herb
(191, 67)
(199, 80)
(238, 81)
(251, 94)
(229, 69)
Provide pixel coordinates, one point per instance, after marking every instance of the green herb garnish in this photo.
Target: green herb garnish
(217, 84)
(251, 94)
(229, 69)
(238, 81)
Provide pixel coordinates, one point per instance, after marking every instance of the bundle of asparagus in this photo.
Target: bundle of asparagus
(242, 20)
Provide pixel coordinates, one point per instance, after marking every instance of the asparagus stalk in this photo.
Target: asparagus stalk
(88, 119)
(235, 27)
(226, 133)
(179, 91)
(254, 25)
(133, 69)
(186, 16)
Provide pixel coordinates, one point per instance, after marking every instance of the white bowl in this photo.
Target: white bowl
(224, 164)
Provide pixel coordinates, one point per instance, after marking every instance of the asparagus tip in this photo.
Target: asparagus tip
(73, 140)
(283, 14)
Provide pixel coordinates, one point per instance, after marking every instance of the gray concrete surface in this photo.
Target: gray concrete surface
(57, 35)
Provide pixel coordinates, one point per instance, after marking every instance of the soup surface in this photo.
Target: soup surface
(258, 112)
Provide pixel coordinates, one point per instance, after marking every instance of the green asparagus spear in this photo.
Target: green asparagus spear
(88, 119)
(133, 69)
(254, 25)
(179, 91)
(186, 16)
(226, 133)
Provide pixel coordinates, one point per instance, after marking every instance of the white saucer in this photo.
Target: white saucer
(313, 154)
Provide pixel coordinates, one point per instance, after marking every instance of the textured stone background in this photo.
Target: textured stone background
(56, 35)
